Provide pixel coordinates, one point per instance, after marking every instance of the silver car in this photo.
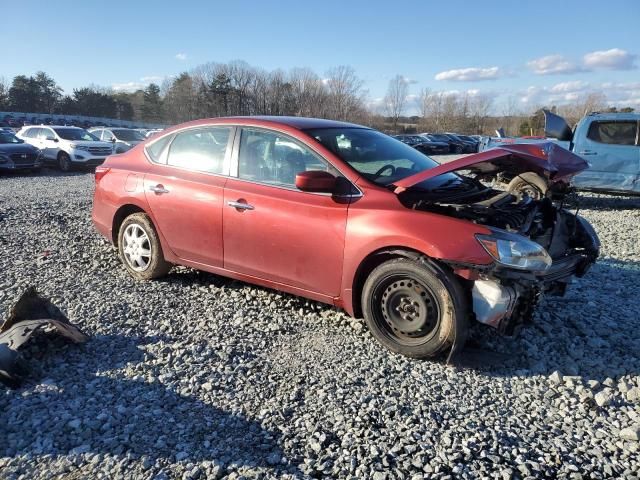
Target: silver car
(123, 138)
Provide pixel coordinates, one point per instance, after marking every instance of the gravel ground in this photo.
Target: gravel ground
(195, 376)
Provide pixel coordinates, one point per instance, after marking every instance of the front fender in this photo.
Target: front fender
(436, 236)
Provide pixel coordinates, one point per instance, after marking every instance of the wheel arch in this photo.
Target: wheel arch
(369, 263)
(123, 212)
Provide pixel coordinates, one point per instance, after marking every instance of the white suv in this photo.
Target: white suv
(66, 146)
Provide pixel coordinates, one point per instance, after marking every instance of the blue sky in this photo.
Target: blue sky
(534, 52)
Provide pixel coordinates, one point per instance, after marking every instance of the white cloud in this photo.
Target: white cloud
(552, 64)
(617, 94)
(613, 59)
(153, 78)
(471, 74)
(128, 86)
(181, 56)
(141, 84)
(564, 87)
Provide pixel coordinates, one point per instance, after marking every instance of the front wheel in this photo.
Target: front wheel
(414, 308)
(530, 184)
(140, 248)
(64, 161)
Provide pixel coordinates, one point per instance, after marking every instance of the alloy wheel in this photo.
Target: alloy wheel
(136, 247)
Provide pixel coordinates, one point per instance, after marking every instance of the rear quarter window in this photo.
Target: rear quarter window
(157, 150)
(613, 133)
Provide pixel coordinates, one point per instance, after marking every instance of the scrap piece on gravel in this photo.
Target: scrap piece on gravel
(30, 314)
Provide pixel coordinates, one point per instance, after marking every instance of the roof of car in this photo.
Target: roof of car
(614, 116)
(302, 123)
(52, 126)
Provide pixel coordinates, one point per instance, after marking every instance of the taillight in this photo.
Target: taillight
(101, 172)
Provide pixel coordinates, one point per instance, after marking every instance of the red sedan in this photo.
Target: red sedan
(347, 215)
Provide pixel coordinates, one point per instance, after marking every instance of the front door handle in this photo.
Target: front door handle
(241, 205)
(159, 189)
(587, 152)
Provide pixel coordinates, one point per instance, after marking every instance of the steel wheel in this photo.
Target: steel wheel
(414, 307)
(136, 247)
(407, 308)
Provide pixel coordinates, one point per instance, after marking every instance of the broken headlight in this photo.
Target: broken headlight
(515, 251)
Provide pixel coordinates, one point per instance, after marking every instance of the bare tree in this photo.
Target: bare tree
(395, 100)
(346, 95)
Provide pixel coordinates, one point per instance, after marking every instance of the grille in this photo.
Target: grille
(24, 158)
(100, 150)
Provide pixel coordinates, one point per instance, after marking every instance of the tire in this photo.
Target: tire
(64, 162)
(142, 255)
(414, 307)
(530, 184)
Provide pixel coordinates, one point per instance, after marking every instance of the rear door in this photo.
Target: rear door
(274, 231)
(184, 188)
(611, 148)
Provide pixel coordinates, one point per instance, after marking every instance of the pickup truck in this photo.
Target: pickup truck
(609, 142)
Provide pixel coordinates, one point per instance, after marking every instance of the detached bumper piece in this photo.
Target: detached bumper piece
(30, 315)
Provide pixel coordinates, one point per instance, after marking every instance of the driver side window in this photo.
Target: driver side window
(275, 159)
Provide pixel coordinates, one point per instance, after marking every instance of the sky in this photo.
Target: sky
(529, 52)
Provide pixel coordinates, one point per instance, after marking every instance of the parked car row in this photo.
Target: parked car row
(64, 146)
(16, 122)
(441, 143)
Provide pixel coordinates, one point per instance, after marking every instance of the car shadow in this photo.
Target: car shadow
(86, 403)
(583, 335)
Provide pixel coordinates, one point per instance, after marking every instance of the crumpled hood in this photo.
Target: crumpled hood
(547, 159)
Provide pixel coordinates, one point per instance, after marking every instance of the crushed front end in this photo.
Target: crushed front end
(537, 244)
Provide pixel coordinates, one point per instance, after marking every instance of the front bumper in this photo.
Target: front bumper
(26, 164)
(504, 297)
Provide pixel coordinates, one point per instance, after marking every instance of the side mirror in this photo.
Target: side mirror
(317, 181)
(51, 139)
(113, 140)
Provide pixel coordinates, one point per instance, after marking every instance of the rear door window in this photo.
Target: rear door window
(613, 133)
(201, 149)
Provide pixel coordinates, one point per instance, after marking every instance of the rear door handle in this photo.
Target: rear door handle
(159, 189)
(241, 205)
(587, 152)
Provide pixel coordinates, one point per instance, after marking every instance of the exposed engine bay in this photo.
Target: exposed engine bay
(505, 297)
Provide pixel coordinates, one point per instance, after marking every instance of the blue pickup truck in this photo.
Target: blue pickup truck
(609, 142)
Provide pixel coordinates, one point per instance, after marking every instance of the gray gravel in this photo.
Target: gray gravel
(196, 376)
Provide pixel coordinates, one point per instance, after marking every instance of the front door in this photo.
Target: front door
(274, 231)
(184, 189)
(612, 153)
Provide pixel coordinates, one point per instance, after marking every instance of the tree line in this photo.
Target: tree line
(237, 88)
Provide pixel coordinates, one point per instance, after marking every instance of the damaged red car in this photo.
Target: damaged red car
(346, 215)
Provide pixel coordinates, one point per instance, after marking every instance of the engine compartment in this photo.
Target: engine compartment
(544, 221)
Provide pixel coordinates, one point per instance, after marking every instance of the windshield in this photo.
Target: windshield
(7, 137)
(75, 134)
(128, 135)
(376, 156)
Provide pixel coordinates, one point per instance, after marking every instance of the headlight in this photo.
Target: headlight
(73, 145)
(515, 251)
